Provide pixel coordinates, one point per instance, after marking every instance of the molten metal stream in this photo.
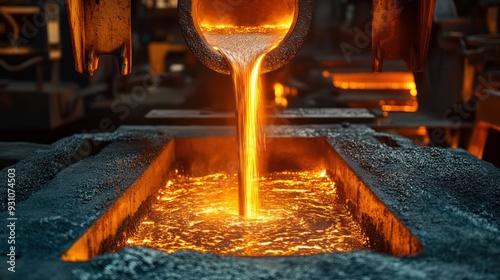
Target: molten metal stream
(300, 214)
(244, 48)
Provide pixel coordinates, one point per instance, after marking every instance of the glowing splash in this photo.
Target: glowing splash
(300, 215)
(245, 48)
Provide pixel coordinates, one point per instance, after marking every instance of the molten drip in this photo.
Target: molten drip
(300, 214)
(245, 48)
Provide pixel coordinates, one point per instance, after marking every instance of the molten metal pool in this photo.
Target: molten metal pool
(300, 214)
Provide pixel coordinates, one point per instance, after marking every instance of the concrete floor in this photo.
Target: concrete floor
(447, 198)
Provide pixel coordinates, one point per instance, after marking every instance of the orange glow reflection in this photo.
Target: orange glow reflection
(410, 107)
(386, 80)
(300, 214)
(281, 92)
(279, 95)
(391, 81)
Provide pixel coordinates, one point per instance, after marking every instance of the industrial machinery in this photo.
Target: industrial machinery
(137, 141)
(32, 40)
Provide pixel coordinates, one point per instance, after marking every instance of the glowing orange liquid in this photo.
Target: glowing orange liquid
(244, 48)
(301, 214)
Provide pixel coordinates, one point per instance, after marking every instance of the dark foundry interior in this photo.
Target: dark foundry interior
(249, 139)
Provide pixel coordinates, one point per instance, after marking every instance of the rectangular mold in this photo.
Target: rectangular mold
(385, 232)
